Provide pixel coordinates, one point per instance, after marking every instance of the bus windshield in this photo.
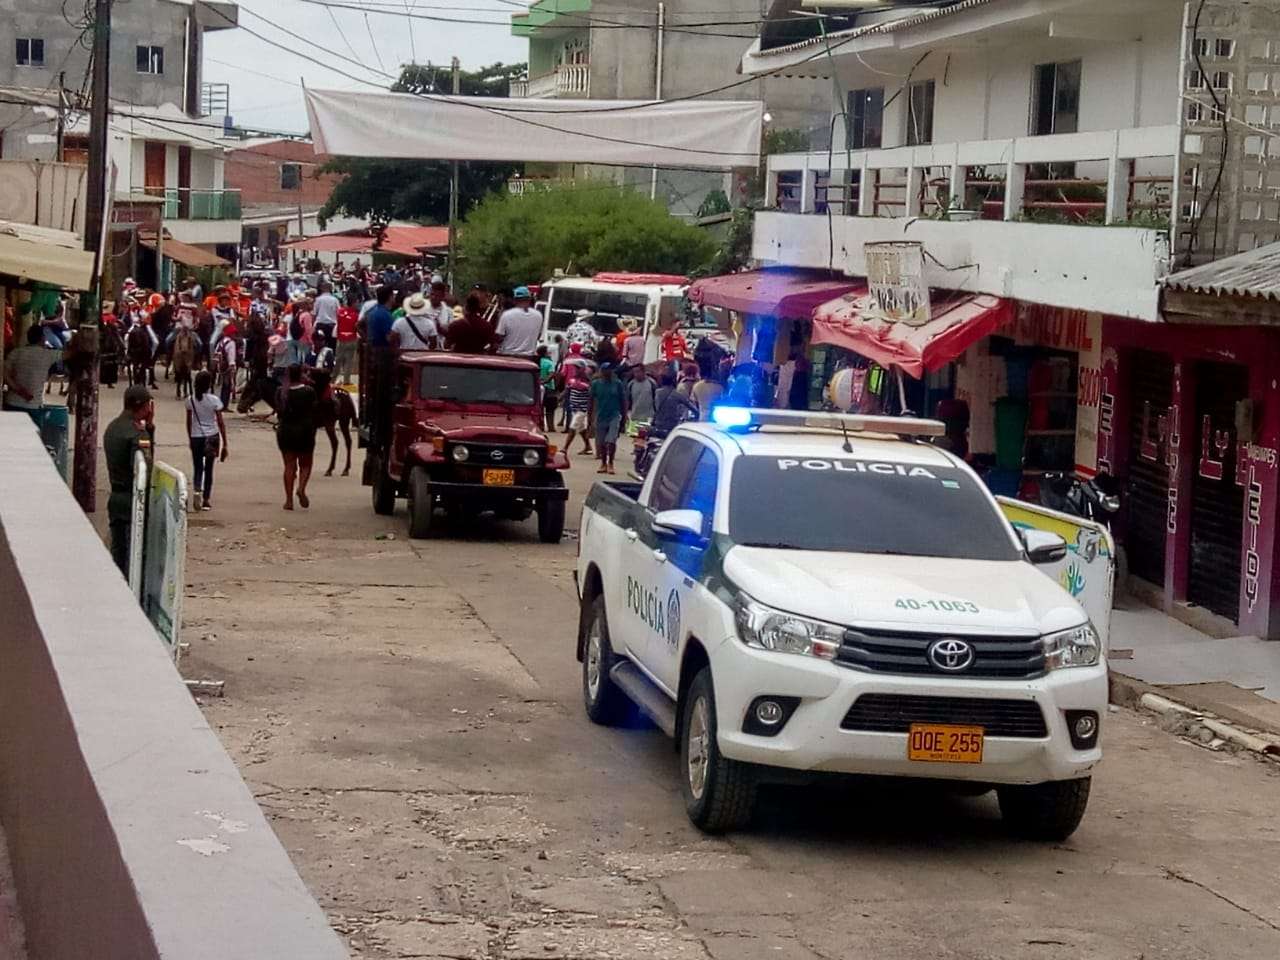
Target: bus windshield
(606, 305)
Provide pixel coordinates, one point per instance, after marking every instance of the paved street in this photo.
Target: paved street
(409, 715)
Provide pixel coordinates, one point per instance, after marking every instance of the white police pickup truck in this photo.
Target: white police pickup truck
(819, 592)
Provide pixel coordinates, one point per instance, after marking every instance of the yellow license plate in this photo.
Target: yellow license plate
(944, 743)
(499, 478)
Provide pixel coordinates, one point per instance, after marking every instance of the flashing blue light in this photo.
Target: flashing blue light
(731, 417)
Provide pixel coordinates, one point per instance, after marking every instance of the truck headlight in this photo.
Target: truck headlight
(1077, 647)
(769, 629)
(531, 458)
(461, 453)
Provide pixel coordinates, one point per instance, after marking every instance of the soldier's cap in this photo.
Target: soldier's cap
(136, 396)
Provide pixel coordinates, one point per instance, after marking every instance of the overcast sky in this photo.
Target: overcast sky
(265, 89)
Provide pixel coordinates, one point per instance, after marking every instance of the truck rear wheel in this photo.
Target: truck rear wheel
(1044, 811)
(605, 703)
(551, 521)
(384, 489)
(719, 793)
(421, 504)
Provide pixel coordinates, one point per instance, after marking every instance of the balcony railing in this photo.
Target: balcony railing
(567, 80)
(190, 203)
(1107, 177)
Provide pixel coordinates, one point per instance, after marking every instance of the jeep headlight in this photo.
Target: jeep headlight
(531, 458)
(461, 453)
(769, 629)
(1077, 647)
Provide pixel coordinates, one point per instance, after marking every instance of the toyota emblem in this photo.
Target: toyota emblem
(495, 455)
(951, 655)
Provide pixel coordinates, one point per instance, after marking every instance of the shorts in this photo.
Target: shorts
(578, 421)
(607, 430)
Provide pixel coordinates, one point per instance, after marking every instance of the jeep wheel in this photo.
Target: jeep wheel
(421, 504)
(1044, 811)
(384, 489)
(719, 794)
(605, 703)
(551, 521)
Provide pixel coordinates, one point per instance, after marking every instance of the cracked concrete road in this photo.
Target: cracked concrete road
(409, 716)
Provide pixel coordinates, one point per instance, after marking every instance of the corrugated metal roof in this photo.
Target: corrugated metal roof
(837, 37)
(1255, 273)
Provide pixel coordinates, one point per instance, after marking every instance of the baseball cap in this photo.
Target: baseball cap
(136, 396)
(522, 293)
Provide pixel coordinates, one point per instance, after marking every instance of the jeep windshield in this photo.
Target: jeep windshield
(463, 385)
(849, 505)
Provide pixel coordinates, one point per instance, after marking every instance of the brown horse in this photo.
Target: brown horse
(336, 408)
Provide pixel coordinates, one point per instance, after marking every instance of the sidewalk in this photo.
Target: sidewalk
(1237, 678)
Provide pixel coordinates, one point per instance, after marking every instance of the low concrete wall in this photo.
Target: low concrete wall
(131, 833)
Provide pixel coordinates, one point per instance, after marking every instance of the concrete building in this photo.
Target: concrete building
(1030, 173)
(614, 50)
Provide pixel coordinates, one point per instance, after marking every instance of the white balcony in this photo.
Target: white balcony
(567, 80)
(1093, 214)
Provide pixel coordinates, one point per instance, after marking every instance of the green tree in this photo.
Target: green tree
(584, 227)
(380, 190)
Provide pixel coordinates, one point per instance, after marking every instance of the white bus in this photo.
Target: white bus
(652, 301)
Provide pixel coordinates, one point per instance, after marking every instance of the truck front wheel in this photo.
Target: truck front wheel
(605, 703)
(1044, 811)
(384, 489)
(719, 793)
(421, 504)
(551, 521)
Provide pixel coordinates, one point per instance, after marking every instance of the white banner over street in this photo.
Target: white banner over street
(711, 134)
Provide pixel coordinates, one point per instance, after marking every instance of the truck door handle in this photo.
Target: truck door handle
(631, 534)
(659, 556)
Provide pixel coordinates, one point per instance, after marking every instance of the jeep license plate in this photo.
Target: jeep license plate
(944, 743)
(499, 478)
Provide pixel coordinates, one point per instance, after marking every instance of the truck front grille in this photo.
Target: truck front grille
(894, 713)
(904, 652)
(498, 454)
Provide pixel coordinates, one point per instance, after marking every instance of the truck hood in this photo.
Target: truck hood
(905, 593)
(478, 427)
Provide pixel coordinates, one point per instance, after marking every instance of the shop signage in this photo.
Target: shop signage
(1252, 461)
(1088, 336)
(1175, 444)
(1058, 327)
(1108, 377)
(1220, 441)
(157, 558)
(895, 281)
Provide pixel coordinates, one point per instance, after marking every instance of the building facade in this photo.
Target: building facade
(1065, 159)
(614, 50)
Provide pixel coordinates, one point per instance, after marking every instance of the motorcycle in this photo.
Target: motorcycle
(645, 447)
(1096, 499)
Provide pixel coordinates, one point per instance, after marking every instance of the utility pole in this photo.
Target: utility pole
(85, 461)
(453, 191)
(62, 116)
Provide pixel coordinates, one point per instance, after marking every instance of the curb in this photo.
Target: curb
(1191, 721)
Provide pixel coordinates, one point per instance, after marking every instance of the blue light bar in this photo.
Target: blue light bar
(731, 417)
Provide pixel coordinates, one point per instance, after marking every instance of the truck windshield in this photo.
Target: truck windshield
(516, 388)
(860, 506)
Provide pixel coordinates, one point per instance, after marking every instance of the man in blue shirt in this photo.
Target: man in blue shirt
(378, 323)
(379, 319)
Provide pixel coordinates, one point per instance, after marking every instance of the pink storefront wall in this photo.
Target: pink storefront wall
(1255, 348)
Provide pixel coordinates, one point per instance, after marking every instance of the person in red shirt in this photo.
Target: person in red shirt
(348, 317)
(674, 346)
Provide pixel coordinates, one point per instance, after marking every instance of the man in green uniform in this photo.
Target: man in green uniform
(131, 431)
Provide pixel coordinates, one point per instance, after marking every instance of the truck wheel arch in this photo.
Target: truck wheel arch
(691, 663)
(592, 587)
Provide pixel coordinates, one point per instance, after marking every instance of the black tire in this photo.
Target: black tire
(551, 521)
(421, 504)
(727, 797)
(605, 703)
(1044, 811)
(384, 489)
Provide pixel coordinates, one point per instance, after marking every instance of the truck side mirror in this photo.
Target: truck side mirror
(1043, 547)
(679, 524)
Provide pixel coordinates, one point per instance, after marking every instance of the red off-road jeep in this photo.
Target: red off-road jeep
(466, 436)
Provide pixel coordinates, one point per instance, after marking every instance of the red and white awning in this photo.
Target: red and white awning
(958, 320)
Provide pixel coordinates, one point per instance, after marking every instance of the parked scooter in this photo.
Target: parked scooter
(1096, 499)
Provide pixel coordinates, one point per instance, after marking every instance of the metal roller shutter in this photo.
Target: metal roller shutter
(1147, 489)
(1217, 503)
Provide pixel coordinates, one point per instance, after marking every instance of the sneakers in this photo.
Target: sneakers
(197, 501)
